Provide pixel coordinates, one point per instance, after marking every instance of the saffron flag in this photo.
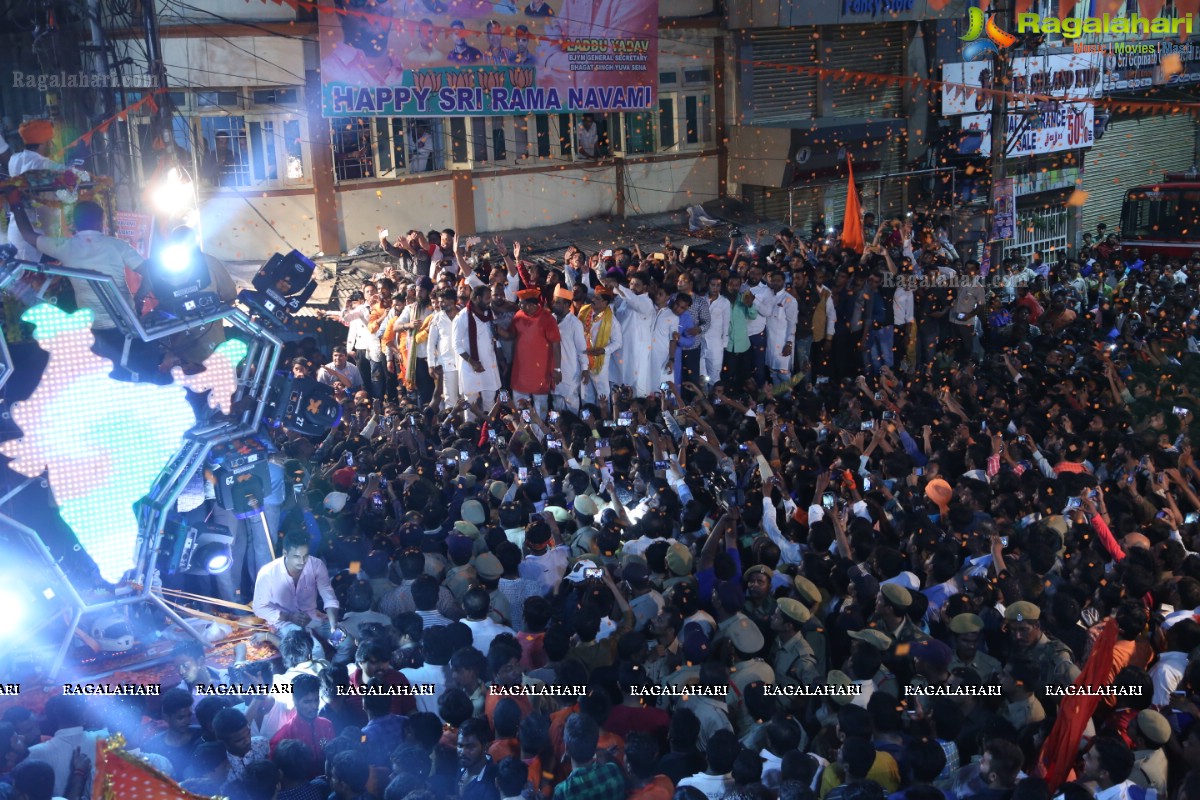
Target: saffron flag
(852, 229)
(121, 776)
(1062, 745)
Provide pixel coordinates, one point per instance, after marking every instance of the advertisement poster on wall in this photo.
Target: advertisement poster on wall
(1062, 76)
(1069, 127)
(423, 58)
(1004, 224)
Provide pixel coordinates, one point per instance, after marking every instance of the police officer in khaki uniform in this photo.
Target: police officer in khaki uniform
(1053, 658)
(794, 664)
(967, 630)
(1150, 732)
(760, 603)
(814, 631)
(748, 642)
(1018, 682)
(679, 566)
(891, 614)
(883, 680)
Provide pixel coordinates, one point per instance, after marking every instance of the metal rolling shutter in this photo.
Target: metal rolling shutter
(1133, 152)
(777, 94)
(881, 198)
(772, 204)
(875, 48)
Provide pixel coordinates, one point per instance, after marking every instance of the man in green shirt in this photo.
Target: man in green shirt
(737, 371)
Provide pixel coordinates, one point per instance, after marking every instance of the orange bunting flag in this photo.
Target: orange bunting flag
(120, 776)
(852, 229)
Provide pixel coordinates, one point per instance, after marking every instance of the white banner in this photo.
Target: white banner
(1065, 76)
(1068, 128)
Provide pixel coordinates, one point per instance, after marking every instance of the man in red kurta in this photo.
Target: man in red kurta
(535, 351)
(313, 731)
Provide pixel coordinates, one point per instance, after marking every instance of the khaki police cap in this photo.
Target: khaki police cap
(874, 637)
(758, 569)
(1154, 726)
(1022, 611)
(746, 636)
(966, 623)
(794, 609)
(807, 590)
(897, 594)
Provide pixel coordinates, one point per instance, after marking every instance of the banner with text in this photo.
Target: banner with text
(473, 57)
(1063, 76)
(1068, 127)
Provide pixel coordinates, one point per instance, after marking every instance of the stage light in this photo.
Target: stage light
(100, 442)
(302, 405)
(213, 557)
(15, 608)
(281, 288)
(178, 277)
(175, 194)
(176, 258)
(195, 549)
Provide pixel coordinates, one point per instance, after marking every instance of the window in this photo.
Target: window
(666, 122)
(218, 99)
(223, 155)
(458, 140)
(275, 97)
(697, 109)
(353, 151)
(639, 133)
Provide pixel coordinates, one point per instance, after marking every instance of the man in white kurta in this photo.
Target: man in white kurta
(572, 358)
(635, 312)
(597, 319)
(663, 334)
(37, 135)
(478, 371)
(443, 358)
(717, 337)
(781, 330)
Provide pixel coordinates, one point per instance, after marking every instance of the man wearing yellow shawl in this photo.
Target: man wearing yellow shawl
(415, 323)
(603, 338)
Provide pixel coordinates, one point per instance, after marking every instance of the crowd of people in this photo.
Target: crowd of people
(605, 529)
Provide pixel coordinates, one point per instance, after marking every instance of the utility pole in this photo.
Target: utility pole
(161, 120)
(1002, 80)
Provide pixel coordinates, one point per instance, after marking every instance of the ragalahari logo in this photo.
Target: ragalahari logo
(984, 37)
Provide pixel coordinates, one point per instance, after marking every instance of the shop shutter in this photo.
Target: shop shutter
(877, 48)
(778, 94)
(770, 203)
(1133, 152)
(882, 196)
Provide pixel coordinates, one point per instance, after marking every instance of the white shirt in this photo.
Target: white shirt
(427, 675)
(469, 381)
(572, 359)
(275, 592)
(57, 752)
(483, 631)
(440, 346)
(548, 569)
(902, 306)
(1167, 674)
(350, 371)
(762, 301)
(356, 320)
(714, 787)
(781, 330)
(717, 336)
(95, 251)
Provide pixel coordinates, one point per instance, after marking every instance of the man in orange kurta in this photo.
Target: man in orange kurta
(535, 352)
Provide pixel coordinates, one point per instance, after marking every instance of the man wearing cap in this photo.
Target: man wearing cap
(891, 614)
(882, 680)
(794, 664)
(645, 601)
(1023, 622)
(488, 570)
(439, 348)
(814, 631)
(536, 351)
(602, 334)
(1150, 733)
(748, 644)
(967, 628)
(1018, 682)
(37, 134)
(760, 603)
(572, 351)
